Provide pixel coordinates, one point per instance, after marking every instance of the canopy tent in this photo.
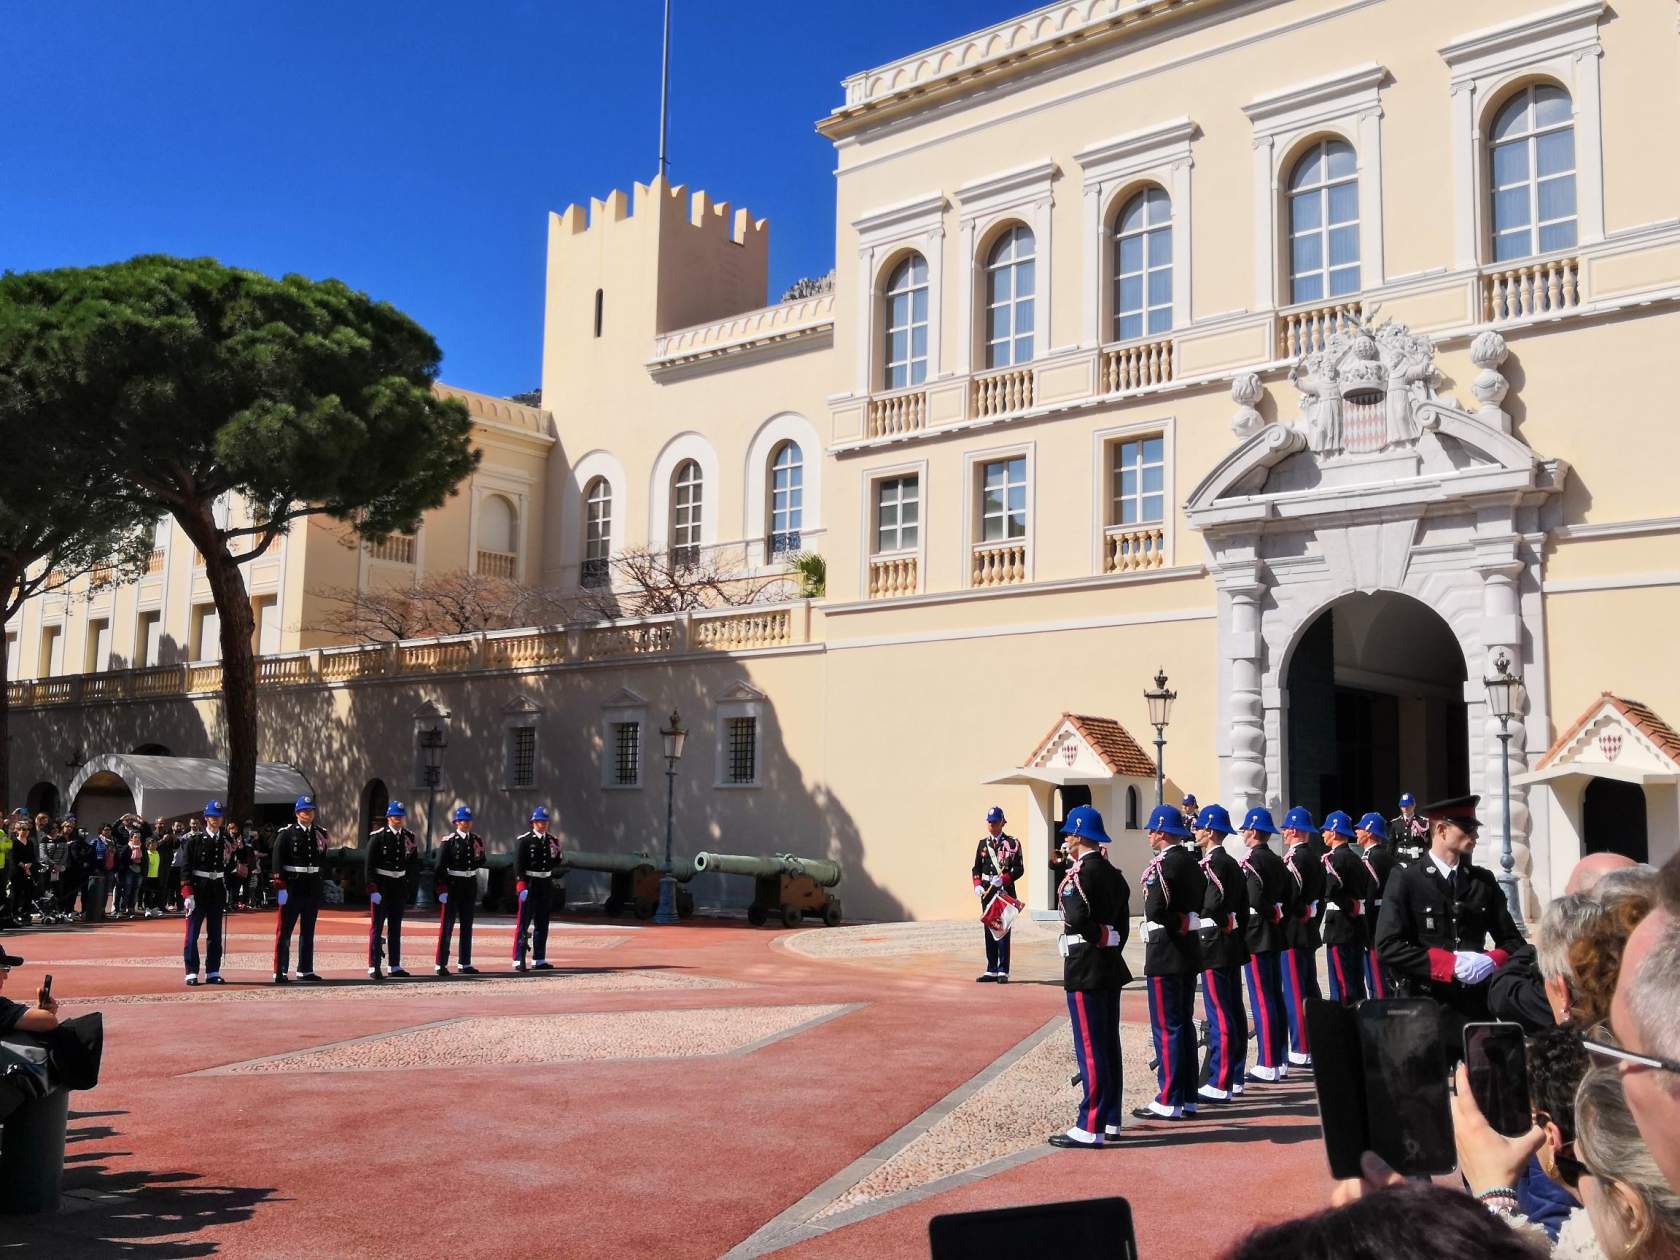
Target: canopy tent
(169, 787)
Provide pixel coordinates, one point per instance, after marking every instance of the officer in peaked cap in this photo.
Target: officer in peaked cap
(1438, 918)
(298, 849)
(1190, 809)
(1172, 956)
(1371, 833)
(459, 860)
(535, 855)
(1096, 911)
(204, 893)
(1408, 833)
(1348, 894)
(1224, 942)
(1301, 918)
(393, 866)
(997, 865)
(1270, 894)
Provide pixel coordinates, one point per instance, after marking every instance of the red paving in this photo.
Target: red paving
(651, 1157)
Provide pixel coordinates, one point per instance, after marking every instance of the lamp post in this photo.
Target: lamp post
(675, 737)
(433, 740)
(1160, 710)
(1505, 701)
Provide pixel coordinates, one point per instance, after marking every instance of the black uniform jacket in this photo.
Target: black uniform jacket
(1409, 840)
(1269, 893)
(1380, 858)
(1348, 893)
(391, 851)
(1517, 993)
(1009, 864)
(203, 868)
(1225, 909)
(297, 845)
(1172, 898)
(1094, 896)
(540, 854)
(1306, 905)
(1425, 920)
(459, 853)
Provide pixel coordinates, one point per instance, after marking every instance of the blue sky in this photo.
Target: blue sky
(413, 149)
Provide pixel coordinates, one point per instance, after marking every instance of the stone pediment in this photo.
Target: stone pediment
(1618, 738)
(1091, 747)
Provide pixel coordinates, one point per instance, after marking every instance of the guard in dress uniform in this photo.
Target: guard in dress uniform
(459, 860)
(997, 865)
(1348, 894)
(204, 872)
(1096, 909)
(1437, 918)
(1270, 893)
(1191, 811)
(535, 855)
(1172, 956)
(1372, 836)
(1224, 952)
(298, 848)
(1408, 834)
(1300, 927)
(393, 866)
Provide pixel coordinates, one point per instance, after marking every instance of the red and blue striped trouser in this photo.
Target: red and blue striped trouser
(1227, 1024)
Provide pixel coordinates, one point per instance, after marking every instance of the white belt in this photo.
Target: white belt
(208, 874)
(302, 870)
(461, 874)
(380, 870)
(538, 875)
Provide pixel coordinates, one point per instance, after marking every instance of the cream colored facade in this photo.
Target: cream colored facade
(1502, 454)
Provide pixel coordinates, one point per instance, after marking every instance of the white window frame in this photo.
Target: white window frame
(787, 426)
(871, 481)
(688, 509)
(689, 445)
(1113, 171)
(740, 701)
(1017, 235)
(905, 266)
(597, 532)
(1348, 105)
(1022, 195)
(1102, 480)
(1147, 268)
(790, 514)
(973, 463)
(1560, 44)
(563, 548)
(1530, 184)
(522, 714)
(1006, 466)
(624, 707)
(882, 235)
(1320, 191)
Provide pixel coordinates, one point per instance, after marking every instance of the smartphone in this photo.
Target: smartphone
(46, 987)
(1497, 1058)
(1339, 1082)
(1100, 1229)
(1406, 1102)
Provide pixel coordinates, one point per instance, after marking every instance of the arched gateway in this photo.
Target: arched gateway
(1381, 500)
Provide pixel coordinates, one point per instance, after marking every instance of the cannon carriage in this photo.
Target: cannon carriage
(784, 885)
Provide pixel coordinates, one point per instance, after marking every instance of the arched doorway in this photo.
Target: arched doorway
(1375, 695)
(42, 799)
(1063, 798)
(375, 797)
(149, 750)
(1613, 819)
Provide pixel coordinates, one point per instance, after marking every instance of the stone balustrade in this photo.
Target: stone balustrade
(904, 411)
(1302, 330)
(1136, 366)
(397, 549)
(751, 629)
(999, 564)
(892, 575)
(1003, 393)
(1531, 289)
(1131, 548)
(496, 564)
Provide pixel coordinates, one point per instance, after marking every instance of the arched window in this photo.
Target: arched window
(907, 324)
(1531, 161)
(597, 531)
(1010, 285)
(787, 498)
(498, 537)
(1131, 809)
(686, 503)
(1324, 223)
(1143, 286)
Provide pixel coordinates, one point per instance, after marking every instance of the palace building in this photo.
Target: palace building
(1303, 349)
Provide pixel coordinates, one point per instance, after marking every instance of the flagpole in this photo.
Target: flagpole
(665, 91)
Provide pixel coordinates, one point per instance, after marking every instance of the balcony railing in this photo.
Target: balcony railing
(1136, 365)
(496, 564)
(904, 411)
(892, 575)
(397, 549)
(1130, 548)
(1003, 393)
(999, 564)
(154, 562)
(1536, 288)
(1306, 329)
(767, 628)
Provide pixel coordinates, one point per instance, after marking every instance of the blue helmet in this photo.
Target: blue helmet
(1215, 818)
(303, 803)
(1406, 798)
(214, 810)
(461, 814)
(995, 814)
(1190, 801)
(1083, 822)
(395, 810)
(1166, 819)
(1376, 824)
(1298, 819)
(1260, 819)
(539, 814)
(1338, 822)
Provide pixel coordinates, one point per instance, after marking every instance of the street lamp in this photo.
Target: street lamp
(675, 736)
(1160, 710)
(433, 740)
(1505, 701)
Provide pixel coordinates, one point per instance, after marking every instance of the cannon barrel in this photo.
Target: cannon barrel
(621, 863)
(825, 874)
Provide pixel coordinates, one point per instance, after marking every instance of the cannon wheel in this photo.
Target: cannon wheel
(612, 906)
(644, 907)
(792, 916)
(757, 915)
(831, 913)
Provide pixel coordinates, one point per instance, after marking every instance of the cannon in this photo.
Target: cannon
(789, 886)
(635, 881)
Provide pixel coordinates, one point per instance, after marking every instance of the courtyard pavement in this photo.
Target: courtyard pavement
(705, 1090)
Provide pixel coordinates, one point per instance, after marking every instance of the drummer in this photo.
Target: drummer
(997, 865)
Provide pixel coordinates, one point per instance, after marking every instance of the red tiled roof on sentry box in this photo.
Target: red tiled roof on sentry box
(1641, 716)
(1111, 742)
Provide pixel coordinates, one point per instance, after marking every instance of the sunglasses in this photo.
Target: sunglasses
(1602, 1042)
(1567, 1169)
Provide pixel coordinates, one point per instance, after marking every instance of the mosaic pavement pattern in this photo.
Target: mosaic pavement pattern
(511, 1040)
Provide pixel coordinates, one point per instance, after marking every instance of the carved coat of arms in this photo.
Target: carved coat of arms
(1361, 392)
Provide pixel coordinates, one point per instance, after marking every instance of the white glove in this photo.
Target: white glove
(189, 903)
(374, 899)
(443, 899)
(997, 881)
(280, 898)
(1471, 967)
(979, 890)
(1111, 936)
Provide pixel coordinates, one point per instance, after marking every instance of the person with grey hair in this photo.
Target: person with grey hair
(1634, 1210)
(1642, 1038)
